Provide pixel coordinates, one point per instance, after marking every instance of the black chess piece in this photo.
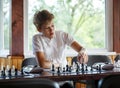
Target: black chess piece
(70, 68)
(67, 68)
(3, 72)
(91, 68)
(82, 67)
(53, 67)
(22, 73)
(86, 68)
(99, 68)
(58, 70)
(9, 72)
(63, 69)
(16, 71)
(78, 68)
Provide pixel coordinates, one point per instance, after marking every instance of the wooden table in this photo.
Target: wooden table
(77, 76)
(71, 76)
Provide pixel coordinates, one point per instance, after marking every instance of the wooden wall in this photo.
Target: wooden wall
(12, 60)
(116, 25)
(17, 32)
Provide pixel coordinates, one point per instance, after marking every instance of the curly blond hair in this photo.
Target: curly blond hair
(42, 17)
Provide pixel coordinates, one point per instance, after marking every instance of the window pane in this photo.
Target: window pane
(6, 17)
(84, 19)
(4, 26)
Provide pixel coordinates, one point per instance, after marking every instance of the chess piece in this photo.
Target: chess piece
(22, 72)
(63, 69)
(97, 68)
(7, 70)
(53, 67)
(91, 68)
(3, 71)
(82, 67)
(58, 70)
(78, 68)
(16, 71)
(0, 73)
(86, 68)
(70, 68)
(67, 68)
(13, 71)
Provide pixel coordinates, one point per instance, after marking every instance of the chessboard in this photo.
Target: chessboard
(81, 69)
(10, 73)
(76, 68)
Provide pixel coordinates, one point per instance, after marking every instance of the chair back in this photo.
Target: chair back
(117, 58)
(92, 59)
(28, 64)
(112, 81)
(29, 61)
(28, 83)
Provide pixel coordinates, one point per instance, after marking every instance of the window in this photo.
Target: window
(87, 20)
(4, 26)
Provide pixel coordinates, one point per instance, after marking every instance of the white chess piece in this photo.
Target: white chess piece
(7, 70)
(13, 71)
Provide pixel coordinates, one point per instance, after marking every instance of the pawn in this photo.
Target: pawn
(91, 68)
(16, 71)
(22, 72)
(78, 68)
(63, 69)
(53, 67)
(70, 68)
(3, 71)
(82, 67)
(86, 68)
(99, 68)
(67, 68)
(13, 71)
(7, 70)
(58, 70)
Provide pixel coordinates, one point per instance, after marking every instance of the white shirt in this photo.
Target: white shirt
(53, 48)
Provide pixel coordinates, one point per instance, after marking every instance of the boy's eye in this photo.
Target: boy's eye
(49, 27)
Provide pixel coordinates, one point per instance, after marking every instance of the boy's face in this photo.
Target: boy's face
(48, 29)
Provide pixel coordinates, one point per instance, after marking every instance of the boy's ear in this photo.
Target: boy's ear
(39, 29)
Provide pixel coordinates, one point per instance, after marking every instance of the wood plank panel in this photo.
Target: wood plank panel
(16, 61)
(80, 85)
(17, 32)
(3, 61)
(116, 26)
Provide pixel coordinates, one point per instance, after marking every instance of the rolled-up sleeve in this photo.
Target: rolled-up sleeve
(36, 44)
(68, 39)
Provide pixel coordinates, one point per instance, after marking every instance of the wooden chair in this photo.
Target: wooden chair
(117, 58)
(28, 83)
(29, 61)
(112, 81)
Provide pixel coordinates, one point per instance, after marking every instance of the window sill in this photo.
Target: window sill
(69, 53)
